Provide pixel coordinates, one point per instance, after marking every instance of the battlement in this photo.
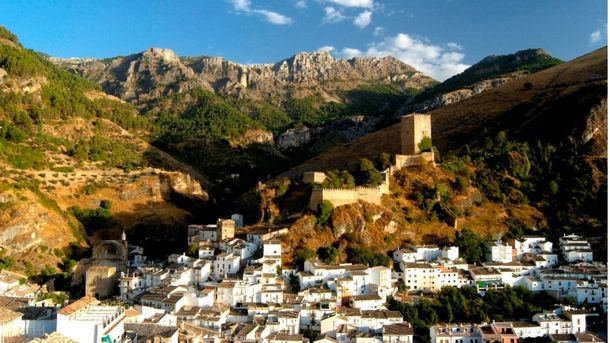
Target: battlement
(345, 196)
(364, 188)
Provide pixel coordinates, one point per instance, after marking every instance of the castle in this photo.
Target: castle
(415, 129)
(415, 132)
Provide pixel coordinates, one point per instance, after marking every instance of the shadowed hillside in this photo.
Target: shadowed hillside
(548, 105)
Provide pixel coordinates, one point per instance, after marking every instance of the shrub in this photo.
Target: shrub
(461, 184)
(425, 144)
(325, 210)
(106, 204)
(368, 174)
(339, 179)
(303, 254)
(367, 256)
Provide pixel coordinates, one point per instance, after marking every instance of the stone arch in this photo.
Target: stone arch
(110, 250)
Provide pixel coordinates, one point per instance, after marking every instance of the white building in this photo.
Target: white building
(10, 325)
(367, 302)
(421, 276)
(579, 255)
(451, 253)
(427, 253)
(575, 248)
(451, 333)
(226, 263)
(588, 292)
(272, 248)
(86, 320)
(531, 245)
(499, 252)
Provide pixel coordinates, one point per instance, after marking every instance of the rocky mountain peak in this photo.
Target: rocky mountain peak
(166, 55)
(157, 72)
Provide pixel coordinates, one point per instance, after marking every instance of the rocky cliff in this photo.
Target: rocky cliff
(156, 72)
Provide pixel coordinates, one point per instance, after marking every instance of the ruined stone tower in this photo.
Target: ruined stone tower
(413, 128)
(225, 229)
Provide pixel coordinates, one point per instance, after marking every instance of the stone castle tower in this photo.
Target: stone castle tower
(414, 127)
(225, 229)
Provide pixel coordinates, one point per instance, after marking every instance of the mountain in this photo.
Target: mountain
(534, 151)
(145, 76)
(232, 122)
(528, 107)
(490, 72)
(76, 167)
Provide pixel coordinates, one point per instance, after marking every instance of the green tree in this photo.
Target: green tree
(328, 254)
(384, 161)
(303, 254)
(472, 245)
(368, 174)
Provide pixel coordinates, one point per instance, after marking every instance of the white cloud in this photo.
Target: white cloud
(272, 17)
(354, 3)
(350, 53)
(241, 5)
(432, 60)
(378, 31)
(363, 19)
(300, 4)
(333, 15)
(596, 36)
(326, 48)
(454, 46)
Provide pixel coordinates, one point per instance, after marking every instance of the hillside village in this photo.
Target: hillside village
(232, 285)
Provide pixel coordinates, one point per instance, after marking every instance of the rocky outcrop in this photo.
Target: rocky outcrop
(294, 138)
(461, 94)
(145, 76)
(490, 72)
(253, 137)
(182, 184)
(336, 132)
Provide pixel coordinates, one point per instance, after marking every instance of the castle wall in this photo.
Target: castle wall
(402, 161)
(340, 196)
(314, 177)
(413, 128)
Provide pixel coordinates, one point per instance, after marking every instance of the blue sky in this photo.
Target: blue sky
(438, 37)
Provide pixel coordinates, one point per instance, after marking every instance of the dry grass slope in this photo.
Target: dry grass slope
(531, 108)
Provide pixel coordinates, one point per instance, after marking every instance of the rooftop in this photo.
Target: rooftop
(7, 315)
(149, 331)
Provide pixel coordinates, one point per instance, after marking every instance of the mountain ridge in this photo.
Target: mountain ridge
(269, 81)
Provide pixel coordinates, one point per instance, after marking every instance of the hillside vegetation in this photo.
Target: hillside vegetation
(65, 143)
(534, 149)
(527, 61)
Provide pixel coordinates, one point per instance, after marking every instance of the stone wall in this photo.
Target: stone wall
(340, 196)
(101, 281)
(403, 161)
(314, 177)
